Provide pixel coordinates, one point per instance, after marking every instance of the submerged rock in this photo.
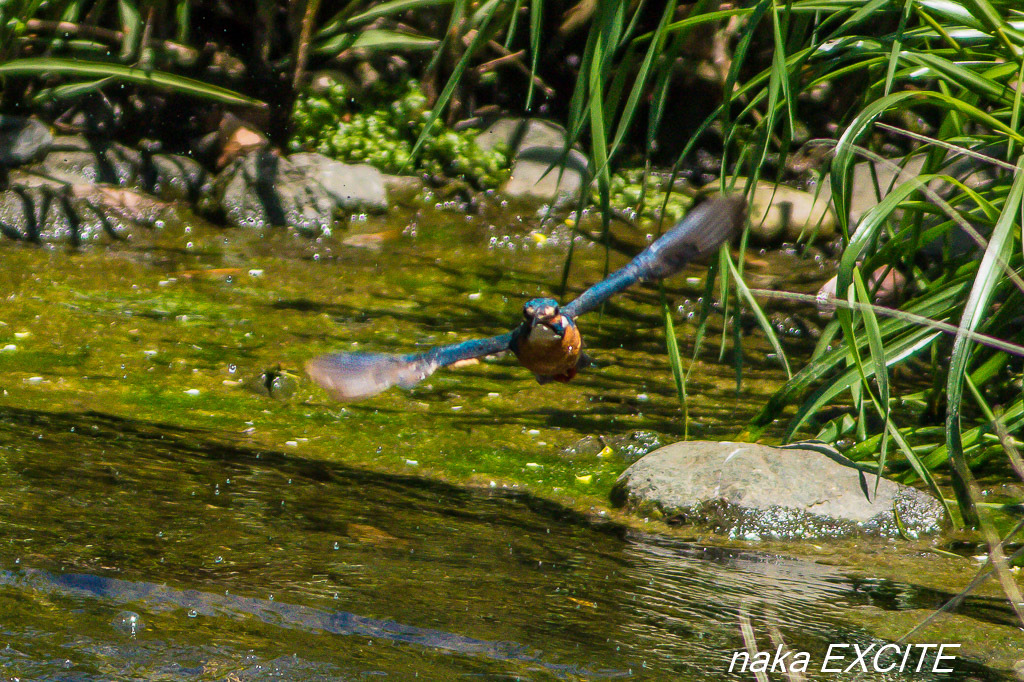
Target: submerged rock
(751, 491)
(354, 187)
(22, 140)
(261, 189)
(627, 447)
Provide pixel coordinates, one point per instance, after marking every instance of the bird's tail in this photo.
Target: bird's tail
(701, 232)
(356, 376)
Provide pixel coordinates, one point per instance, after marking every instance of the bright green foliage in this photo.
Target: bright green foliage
(381, 126)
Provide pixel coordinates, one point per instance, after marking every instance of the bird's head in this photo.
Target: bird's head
(541, 311)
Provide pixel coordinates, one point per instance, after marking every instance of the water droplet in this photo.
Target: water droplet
(219, 560)
(192, 613)
(336, 545)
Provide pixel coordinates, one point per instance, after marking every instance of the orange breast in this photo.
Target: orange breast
(545, 353)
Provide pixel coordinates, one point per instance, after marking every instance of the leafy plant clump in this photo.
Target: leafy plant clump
(381, 126)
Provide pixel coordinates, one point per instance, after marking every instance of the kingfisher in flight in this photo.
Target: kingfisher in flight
(547, 342)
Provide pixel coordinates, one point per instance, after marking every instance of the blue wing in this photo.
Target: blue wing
(356, 376)
(701, 232)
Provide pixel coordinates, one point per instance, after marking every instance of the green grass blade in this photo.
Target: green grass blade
(762, 319)
(897, 45)
(71, 90)
(49, 66)
(642, 77)
(383, 39)
(131, 26)
(877, 348)
(393, 7)
(675, 362)
(479, 38)
(536, 29)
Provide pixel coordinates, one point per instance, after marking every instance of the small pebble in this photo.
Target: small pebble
(255, 273)
(474, 297)
(9, 348)
(412, 462)
(292, 443)
(192, 391)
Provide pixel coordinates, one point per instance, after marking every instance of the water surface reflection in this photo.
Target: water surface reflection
(242, 564)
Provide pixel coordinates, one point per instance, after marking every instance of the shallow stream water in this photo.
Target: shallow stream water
(163, 518)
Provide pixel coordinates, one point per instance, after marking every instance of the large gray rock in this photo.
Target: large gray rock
(261, 189)
(548, 175)
(75, 160)
(521, 133)
(752, 491)
(22, 140)
(542, 172)
(177, 178)
(873, 180)
(354, 187)
(65, 215)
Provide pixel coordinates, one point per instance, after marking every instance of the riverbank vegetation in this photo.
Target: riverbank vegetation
(923, 379)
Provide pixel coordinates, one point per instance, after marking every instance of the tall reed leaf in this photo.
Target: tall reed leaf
(976, 309)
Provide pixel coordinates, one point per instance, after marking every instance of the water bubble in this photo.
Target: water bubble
(192, 613)
(219, 560)
(128, 622)
(336, 545)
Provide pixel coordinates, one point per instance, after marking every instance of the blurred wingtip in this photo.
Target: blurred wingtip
(720, 218)
(356, 376)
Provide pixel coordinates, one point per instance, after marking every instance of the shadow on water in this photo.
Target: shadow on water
(134, 551)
